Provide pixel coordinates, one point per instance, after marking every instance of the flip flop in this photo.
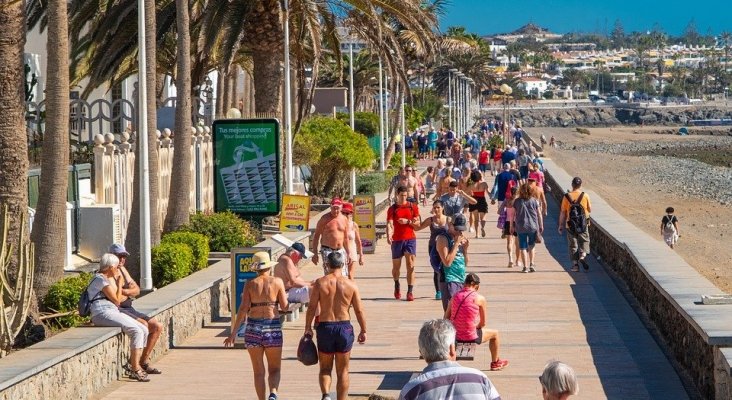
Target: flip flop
(584, 263)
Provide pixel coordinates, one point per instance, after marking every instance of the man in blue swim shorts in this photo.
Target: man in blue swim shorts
(335, 294)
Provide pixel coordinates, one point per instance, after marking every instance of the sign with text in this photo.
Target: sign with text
(295, 215)
(363, 215)
(241, 261)
(247, 166)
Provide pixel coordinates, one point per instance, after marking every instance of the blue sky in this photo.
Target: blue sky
(562, 16)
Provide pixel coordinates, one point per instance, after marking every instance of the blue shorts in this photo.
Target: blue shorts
(527, 240)
(401, 247)
(263, 333)
(524, 172)
(334, 337)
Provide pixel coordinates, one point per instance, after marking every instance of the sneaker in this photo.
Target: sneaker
(498, 365)
(575, 268)
(531, 268)
(438, 295)
(325, 397)
(525, 270)
(397, 294)
(510, 264)
(410, 296)
(272, 396)
(584, 263)
(470, 230)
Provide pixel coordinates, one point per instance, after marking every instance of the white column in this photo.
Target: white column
(351, 107)
(288, 103)
(146, 282)
(381, 118)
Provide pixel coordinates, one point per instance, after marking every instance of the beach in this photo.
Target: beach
(640, 171)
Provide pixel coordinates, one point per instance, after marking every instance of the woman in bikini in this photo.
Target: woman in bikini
(438, 224)
(354, 236)
(263, 332)
(478, 187)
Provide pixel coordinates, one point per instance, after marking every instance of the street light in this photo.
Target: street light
(506, 90)
(459, 108)
(381, 119)
(288, 105)
(350, 105)
(146, 283)
(471, 111)
(450, 95)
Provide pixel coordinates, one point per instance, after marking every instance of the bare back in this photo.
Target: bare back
(336, 295)
(264, 294)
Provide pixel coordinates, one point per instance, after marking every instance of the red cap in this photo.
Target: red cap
(336, 202)
(347, 208)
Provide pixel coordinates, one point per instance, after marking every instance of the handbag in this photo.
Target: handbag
(502, 219)
(307, 353)
(538, 239)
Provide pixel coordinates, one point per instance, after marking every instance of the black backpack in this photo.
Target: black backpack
(577, 221)
(84, 305)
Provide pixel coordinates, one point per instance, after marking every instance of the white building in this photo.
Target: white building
(533, 85)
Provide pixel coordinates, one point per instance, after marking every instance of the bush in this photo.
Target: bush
(170, 262)
(198, 244)
(224, 230)
(396, 160)
(583, 131)
(365, 123)
(63, 296)
(496, 140)
(372, 183)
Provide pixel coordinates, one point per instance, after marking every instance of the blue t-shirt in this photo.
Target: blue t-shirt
(507, 157)
(501, 184)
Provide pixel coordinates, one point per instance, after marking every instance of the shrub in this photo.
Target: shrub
(372, 183)
(63, 296)
(396, 160)
(170, 262)
(365, 123)
(496, 140)
(224, 230)
(583, 131)
(198, 244)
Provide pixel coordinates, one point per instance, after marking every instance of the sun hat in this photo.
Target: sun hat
(261, 261)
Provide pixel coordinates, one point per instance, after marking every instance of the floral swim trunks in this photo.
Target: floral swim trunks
(263, 333)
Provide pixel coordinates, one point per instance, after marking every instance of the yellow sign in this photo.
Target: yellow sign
(363, 215)
(295, 215)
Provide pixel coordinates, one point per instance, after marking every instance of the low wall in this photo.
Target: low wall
(80, 362)
(667, 288)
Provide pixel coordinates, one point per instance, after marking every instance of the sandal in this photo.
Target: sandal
(139, 376)
(150, 370)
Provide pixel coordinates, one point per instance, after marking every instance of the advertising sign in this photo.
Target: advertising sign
(363, 215)
(241, 261)
(247, 166)
(295, 215)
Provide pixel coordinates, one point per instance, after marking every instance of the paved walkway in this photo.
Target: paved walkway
(579, 318)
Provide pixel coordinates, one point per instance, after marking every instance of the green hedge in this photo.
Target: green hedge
(170, 262)
(198, 244)
(63, 296)
(371, 183)
(224, 230)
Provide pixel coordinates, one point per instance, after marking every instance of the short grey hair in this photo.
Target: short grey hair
(336, 260)
(435, 339)
(558, 379)
(108, 260)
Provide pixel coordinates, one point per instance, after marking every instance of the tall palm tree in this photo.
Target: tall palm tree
(13, 141)
(180, 179)
(49, 225)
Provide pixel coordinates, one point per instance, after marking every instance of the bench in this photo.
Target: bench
(293, 312)
(380, 229)
(465, 350)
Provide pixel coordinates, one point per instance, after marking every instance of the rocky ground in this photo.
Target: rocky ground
(640, 173)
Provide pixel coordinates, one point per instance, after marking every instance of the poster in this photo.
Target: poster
(241, 260)
(363, 214)
(247, 166)
(295, 215)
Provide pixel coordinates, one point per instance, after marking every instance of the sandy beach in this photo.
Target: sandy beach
(705, 224)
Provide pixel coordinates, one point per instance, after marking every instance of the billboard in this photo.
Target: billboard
(363, 214)
(247, 166)
(241, 261)
(295, 216)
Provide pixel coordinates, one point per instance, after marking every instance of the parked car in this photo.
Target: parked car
(613, 100)
(599, 101)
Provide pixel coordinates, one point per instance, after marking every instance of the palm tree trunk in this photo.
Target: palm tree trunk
(13, 141)
(235, 89)
(49, 226)
(226, 93)
(132, 242)
(268, 80)
(180, 179)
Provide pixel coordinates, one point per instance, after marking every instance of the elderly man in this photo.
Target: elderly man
(405, 178)
(331, 235)
(444, 378)
(298, 289)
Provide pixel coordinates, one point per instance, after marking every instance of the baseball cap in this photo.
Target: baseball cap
(576, 181)
(261, 261)
(118, 250)
(347, 208)
(300, 248)
(459, 222)
(336, 202)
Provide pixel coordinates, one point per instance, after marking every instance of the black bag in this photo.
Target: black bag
(577, 221)
(307, 353)
(84, 305)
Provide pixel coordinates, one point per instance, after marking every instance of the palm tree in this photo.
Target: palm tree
(49, 225)
(726, 38)
(13, 142)
(180, 179)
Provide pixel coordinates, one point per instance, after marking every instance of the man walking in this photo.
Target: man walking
(575, 216)
(444, 378)
(331, 235)
(335, 294)
(402, 218)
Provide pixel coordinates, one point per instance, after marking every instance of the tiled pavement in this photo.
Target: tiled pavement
(579, 318)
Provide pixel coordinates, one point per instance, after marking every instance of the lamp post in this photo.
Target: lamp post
(450, 95)
(460, 98)
(351, 106)
(506, 90)
(288, 104)
(381, 119)
(146, 283)
(470, 102)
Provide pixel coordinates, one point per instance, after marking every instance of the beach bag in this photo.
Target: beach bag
(502, 217)
(577, 222)
(307, 353)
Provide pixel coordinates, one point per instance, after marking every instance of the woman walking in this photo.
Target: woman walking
(506, 214)
(453, 251)
(263, 332)
(438, 225)
(354, 237)
(528, 223)
(478, 187)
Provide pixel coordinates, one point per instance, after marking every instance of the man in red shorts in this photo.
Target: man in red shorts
(402, 218)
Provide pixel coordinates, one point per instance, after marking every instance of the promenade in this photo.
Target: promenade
(579, 318)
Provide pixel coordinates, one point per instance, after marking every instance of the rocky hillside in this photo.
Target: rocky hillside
(608, 116)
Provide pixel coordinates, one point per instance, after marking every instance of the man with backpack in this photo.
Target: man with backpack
(575, 217)
(402, 218)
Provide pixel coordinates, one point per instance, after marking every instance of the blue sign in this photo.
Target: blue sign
(241, 262)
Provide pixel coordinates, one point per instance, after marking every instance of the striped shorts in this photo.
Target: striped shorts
(263, 333)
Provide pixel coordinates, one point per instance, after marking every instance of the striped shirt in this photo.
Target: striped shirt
(449, 380)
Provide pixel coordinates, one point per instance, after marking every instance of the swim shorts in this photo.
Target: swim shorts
(401, 247)
(263, 333)
(335, 337)
(325, 251)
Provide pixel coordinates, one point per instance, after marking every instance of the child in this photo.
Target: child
(670, 228)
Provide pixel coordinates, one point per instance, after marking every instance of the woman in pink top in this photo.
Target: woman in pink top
(468, 311)
(537, 175)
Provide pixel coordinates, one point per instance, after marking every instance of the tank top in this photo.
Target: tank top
(466, 318)
(479, 194)
(435, 228)
(454, 272)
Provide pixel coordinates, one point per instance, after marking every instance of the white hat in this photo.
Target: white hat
(261, 261)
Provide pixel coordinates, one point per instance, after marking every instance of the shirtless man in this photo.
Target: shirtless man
(331, 235)
(405, 178)
(298, 289)
(446, 177)
(335, 295)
